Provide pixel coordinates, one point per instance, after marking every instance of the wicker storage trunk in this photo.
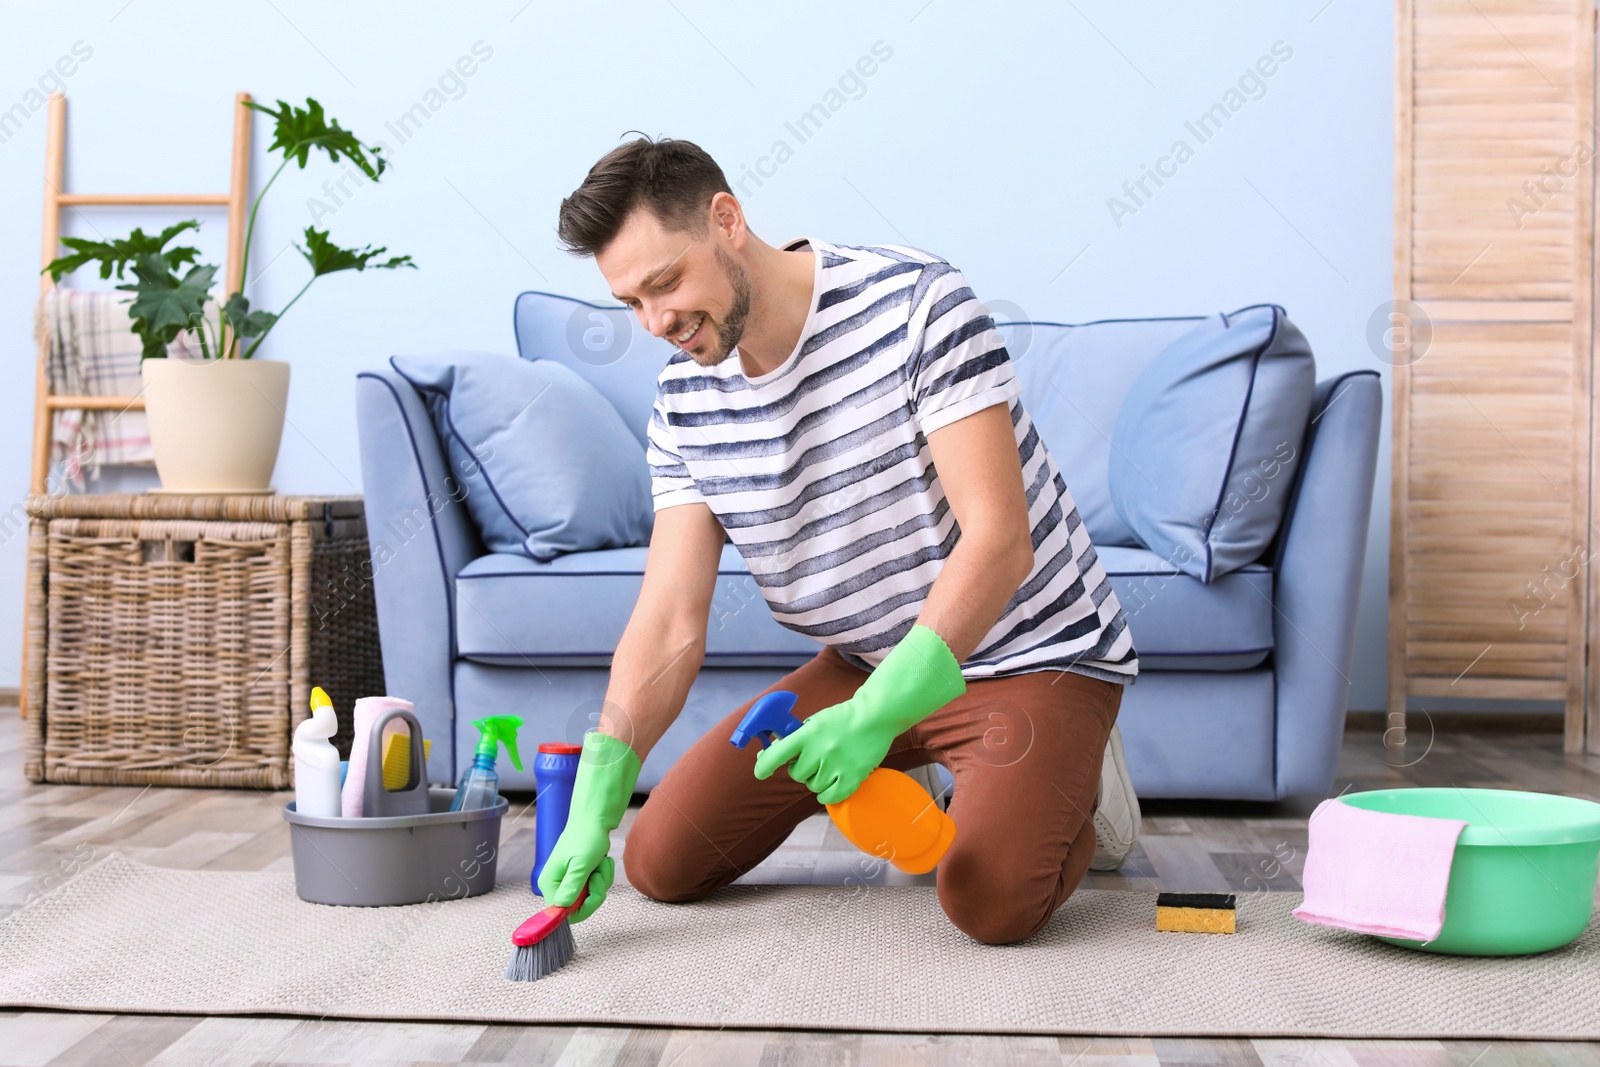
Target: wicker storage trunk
(174, 640)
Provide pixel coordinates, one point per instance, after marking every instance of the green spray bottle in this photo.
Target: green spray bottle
(480, 785)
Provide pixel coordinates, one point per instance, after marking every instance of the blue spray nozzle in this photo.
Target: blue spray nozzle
(768, 719)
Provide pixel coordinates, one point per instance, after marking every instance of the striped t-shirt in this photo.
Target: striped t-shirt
(820, 470)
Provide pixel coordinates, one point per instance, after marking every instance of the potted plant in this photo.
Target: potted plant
(216, 415)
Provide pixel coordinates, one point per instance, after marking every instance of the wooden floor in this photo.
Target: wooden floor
(49, 833)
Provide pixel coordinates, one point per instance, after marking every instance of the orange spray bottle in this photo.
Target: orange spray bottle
(889, 815)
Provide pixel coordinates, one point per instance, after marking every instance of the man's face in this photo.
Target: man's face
(686, 289)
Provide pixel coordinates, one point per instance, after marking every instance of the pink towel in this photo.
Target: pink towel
(1377, 872)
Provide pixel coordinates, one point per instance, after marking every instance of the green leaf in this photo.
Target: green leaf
(243, 321)
(300, 130)
(326, 257)
(117, 254)
(163, 305)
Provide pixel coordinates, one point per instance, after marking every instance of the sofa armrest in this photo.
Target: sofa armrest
(1321, 553)
(421, 535)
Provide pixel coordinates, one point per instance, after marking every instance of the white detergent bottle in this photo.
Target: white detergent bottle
(316, 761)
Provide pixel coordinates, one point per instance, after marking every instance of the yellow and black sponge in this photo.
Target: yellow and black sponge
(1201, 913)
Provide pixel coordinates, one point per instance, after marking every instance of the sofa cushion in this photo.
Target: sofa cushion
(1205, 446)
(546, 465)
(602, 343)
(1074, 378)
(1181, 624)
(574, 608)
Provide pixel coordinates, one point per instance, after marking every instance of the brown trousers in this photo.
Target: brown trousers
(1025, 752)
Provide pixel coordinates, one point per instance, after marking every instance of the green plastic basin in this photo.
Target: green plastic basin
(1523, 876)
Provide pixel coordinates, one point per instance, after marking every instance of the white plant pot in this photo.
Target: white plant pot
(215, 425)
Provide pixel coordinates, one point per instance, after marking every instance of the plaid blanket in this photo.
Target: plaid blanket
(89, 348)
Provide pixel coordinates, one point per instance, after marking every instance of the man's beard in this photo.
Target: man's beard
(731, 329)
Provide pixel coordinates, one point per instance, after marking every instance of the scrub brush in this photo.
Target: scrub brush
(544, 943)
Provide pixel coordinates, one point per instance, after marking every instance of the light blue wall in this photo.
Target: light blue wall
(992, 134)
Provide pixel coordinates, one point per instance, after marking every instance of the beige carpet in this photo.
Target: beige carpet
(122, 936)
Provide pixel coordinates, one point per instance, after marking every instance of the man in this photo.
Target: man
(869, 456)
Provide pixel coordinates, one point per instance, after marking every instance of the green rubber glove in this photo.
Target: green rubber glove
(607, 771)
(835, 749)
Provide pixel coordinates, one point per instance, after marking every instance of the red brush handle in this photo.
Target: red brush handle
(543, 924)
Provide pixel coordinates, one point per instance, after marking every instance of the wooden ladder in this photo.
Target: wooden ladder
(45, 403)
(236, 199)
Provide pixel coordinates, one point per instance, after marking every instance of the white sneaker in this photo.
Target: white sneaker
(1116, 818)
(927, 776)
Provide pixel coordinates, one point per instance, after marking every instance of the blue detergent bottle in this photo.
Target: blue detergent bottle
(480, 785)
(555, 770)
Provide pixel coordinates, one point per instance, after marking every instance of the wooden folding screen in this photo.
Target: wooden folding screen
(1492, 329)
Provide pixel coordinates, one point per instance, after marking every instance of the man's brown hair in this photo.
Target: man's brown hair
(675, 179)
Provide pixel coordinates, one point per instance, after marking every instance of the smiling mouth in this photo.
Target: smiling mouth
(682, 340)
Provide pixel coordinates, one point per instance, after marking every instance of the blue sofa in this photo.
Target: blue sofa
(1244, 681)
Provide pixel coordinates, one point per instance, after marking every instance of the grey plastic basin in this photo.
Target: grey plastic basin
(396, 859)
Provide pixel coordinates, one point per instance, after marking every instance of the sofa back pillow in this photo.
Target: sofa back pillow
(1075, 378)
(545, 461)
(603, 344)
(1208, 441)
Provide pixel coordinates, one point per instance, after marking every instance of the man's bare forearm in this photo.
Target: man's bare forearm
(977, 581)
(651, 674)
